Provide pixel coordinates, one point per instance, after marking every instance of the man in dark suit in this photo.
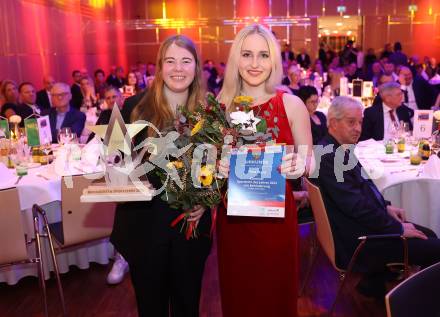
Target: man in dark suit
(27, 107)
(75, 89)
(43, 95)
(418, 93)
(355, 207)
(62, 115)
(303, 59)
(398, 58)
(116, 77)
(287, 55)
(382, 117)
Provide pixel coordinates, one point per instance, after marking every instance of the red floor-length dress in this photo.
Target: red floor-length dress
(258, 258)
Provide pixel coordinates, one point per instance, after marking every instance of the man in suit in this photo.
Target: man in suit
(303, 59)
(287, 55)
(398, 58)
(75, 89)
(28, 105)
(62, 115)
(383, 118)
(355, 207)
(116, 77)
(418, 93)
(43, 95)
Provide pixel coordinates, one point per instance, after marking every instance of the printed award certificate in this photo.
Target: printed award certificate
(256, 187)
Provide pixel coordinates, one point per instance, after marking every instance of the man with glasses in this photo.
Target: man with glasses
(112, 98)
(382, 120)
(62, 115)
(355, 207)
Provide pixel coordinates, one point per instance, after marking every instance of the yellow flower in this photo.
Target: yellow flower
(206, 175)
(243, 99)
(176, 164)
(198, 126)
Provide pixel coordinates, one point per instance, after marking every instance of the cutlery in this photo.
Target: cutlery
(405, 170)
(42, 176)
(18, 180)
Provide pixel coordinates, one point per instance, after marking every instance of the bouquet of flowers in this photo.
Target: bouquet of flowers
(251, 127)
(191, 179)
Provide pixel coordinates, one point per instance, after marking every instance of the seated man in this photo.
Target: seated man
(43, 95)
(381, 119)
(355, 207)
(28, 98)
(419, 94)
(62, 115)
(112, 97)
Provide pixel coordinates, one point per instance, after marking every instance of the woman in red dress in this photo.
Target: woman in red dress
(258, 258)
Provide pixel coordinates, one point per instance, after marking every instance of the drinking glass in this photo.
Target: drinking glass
(64, 136)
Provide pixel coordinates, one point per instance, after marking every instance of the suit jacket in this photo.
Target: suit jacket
(24, 111)
(424, 93)
(74, 119)
(290, 56)
(304, 62)
(77, 96)
(129, 104)
(43, 99)
(373, 123)
(354, 206)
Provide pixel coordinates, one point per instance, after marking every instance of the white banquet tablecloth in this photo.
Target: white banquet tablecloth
(33, 189)
(402, 183)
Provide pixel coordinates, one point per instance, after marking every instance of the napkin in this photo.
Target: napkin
(6, 175)
(91, 152)
(432, 167)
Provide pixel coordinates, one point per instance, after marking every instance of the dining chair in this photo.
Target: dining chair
(81, 222)
(326, 242)
(417, 295)
(15, 241)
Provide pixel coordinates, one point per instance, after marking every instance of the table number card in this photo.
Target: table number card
(343, 86)
(423, 123)
(44, 131)
(367, 89)
(4, 128)
(38, 131)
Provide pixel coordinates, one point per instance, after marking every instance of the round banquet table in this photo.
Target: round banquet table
(410, 187)
(34, 189)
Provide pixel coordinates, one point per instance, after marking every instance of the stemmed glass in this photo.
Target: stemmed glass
(393, 131)
(64, 136)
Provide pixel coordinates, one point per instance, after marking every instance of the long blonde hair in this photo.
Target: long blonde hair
(153, 107)
(233, 81)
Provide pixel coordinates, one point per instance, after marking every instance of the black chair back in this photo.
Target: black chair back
(418, 295)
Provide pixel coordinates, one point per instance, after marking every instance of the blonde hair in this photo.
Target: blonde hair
(153, 107)
(233, 81)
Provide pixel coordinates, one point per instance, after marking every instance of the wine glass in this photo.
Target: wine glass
(64, 136)
(393, 131)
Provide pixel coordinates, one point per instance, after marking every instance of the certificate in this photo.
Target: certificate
(256, 188)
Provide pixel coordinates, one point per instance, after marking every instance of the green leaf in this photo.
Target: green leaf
(266, 113)
(262, 126)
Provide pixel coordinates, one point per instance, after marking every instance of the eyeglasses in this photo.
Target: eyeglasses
(60, 95)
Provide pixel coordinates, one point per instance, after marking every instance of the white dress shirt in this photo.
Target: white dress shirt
(411, 97)
(388, 122)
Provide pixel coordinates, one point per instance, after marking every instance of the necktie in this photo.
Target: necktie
(405, 93)
(392, 116)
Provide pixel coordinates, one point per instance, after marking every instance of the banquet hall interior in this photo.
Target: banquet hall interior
(92, 56)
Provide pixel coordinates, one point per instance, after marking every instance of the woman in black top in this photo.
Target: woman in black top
(166, 269)
(318, 121)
